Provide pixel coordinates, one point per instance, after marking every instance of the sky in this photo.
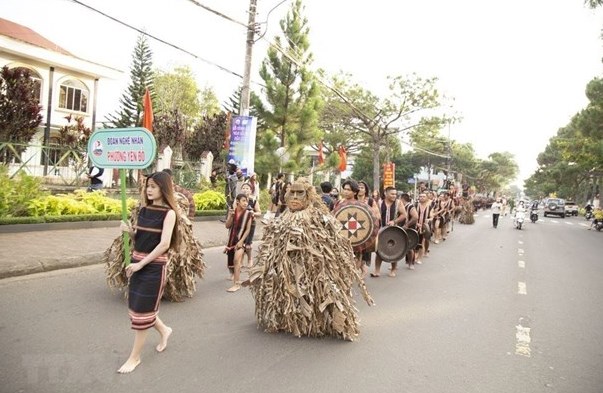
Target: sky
(515, 71)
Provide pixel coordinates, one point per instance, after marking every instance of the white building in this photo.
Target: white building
(67, 84)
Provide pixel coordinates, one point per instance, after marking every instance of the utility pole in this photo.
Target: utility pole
(245, 91)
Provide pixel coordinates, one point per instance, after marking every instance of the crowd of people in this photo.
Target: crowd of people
(303, 272)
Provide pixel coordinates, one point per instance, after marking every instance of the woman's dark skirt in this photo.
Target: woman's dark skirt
(145, 291)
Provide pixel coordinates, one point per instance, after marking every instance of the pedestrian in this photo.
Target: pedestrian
(282, 201)
(238, 222)
(335, 194)
(94, 175)
(424, 214)
(187, 193)
(496, 211)
(326, 188)
(154, 234)
(255, 186)
(213, 178)
(253, 205)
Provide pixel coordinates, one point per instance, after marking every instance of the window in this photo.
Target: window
(73, 95)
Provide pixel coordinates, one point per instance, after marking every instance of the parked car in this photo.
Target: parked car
(571, 208)
(554, 207)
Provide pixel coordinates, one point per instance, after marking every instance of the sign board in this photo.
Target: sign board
(124, 148)
(389, 178)
(411, 180)
(242, 143)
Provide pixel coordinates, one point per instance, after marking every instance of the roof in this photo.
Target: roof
(25, 34)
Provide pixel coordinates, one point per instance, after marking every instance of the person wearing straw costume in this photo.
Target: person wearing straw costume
(305, 270)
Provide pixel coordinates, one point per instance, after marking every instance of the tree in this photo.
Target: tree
(177, 90)
(19, 108)
(209, 104)
(593, 3)
(141, 78)
(169, 130)
(208, 135)
(291, 94)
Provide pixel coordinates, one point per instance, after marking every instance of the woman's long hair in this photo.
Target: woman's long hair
(165, 184)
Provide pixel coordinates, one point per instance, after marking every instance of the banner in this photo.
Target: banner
(389, 177)
(242, 143)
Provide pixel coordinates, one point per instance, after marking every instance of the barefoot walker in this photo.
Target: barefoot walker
(153, 236)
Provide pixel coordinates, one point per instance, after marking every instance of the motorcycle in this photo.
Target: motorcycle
(519, 218)
(534, 215)
(598, 225)
(588, 215)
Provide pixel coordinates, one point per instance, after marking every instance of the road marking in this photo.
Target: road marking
(555, 221)
(521, 264)
(521, 288)
(584, 225)
(519, 242)
(569, 223)
(520, 251)
(522, 345)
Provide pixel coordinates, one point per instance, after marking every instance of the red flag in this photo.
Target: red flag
(343, 162)
(321, 158)
(147, 117)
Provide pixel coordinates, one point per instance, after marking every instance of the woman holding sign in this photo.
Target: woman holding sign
(154, 234)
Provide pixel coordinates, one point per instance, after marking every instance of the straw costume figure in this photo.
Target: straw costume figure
(183, 265)
(302, 281)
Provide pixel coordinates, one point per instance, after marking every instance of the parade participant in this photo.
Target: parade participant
(184, 265)
(438, 218)
(282, 203)
(238, 221)
(253, 205)
(326, 188)
(349, 191)
(363, 192)
(392, 213)
(410, 222)
(424, 216)
(187, 194)
(154, 234)
(304, 272)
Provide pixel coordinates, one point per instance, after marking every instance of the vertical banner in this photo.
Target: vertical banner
(242, 143)
(389, 178)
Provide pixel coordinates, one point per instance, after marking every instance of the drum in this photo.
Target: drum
(358, 224)
(426, 231)
(392, 243)
(413, 238)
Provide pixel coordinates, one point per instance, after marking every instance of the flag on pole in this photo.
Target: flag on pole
(343, 162)
(321, 158)
(147, 117)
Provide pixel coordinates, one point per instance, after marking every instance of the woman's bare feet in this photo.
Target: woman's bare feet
(392, 273)
(234, 288)
(164, 339)
(128, 366)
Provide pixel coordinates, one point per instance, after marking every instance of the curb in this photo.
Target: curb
(51, 264)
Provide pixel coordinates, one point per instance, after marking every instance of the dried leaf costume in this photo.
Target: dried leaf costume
(302, 281)
(183, 265)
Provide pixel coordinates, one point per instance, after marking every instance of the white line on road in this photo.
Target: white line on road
(519, 242)
(569, 223)
(520, 251)
(555, 221)
(522, 345)
(584, 225)
(521, 264)
(522, 288)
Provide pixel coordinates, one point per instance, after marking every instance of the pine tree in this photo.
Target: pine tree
(292, 93)
(141, 78)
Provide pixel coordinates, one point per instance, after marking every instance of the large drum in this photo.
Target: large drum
(413, 238)
(392, 243)
(358, 224)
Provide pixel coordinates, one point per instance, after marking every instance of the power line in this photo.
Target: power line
(218, 13)
(222, 68)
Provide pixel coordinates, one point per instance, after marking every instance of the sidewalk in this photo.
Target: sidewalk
(24, 253)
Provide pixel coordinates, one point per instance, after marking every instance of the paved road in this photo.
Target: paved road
(492, 310)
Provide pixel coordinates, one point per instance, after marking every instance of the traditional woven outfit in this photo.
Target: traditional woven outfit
(184, 265)
(303, 277)
(147, 284)
(235, 232)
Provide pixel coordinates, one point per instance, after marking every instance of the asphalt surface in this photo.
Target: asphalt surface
(45, 248)
(492, 310)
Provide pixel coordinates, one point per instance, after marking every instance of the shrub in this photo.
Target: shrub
(78, 203)
(17, 192)
(210, 200)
